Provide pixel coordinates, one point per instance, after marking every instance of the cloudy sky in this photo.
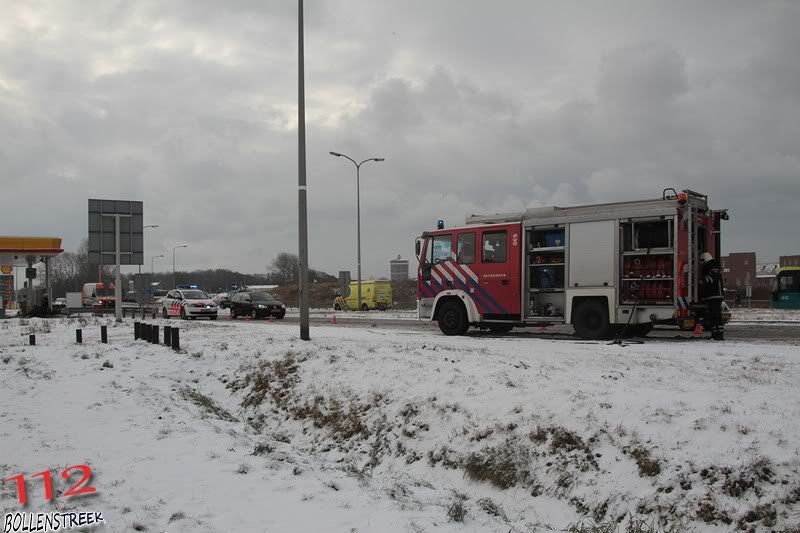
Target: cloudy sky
(478, 106)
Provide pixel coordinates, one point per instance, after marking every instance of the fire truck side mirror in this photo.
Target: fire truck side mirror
(418, 247)
(426, 272)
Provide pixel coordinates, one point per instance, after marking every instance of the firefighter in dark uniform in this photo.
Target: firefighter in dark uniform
(711, 295)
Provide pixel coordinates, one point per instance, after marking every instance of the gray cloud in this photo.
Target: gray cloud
(190, 106)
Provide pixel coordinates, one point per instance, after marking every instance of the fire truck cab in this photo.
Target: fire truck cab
(601, 267)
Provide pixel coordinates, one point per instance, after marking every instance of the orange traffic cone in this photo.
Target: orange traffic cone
(698, 329)
(333, 320)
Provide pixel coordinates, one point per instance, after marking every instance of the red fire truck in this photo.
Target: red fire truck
(604, 268)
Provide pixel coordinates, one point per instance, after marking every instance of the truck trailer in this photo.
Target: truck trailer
(607, 269)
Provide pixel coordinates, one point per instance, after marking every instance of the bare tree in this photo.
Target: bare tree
(286, 265)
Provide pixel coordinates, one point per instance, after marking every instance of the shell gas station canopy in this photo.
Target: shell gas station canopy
(20, 251)
(26, 252)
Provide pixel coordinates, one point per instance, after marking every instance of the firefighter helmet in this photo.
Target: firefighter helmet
(705, 257)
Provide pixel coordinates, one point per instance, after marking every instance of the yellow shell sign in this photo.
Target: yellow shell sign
(6, 269)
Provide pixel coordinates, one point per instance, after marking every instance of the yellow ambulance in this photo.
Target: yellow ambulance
(375, 294)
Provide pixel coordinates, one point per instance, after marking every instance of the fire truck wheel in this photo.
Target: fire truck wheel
(591, 320)
(453, 319)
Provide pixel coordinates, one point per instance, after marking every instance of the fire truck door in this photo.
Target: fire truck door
(499, 271)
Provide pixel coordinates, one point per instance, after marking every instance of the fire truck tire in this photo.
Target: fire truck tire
(591, 320)
(453, 319)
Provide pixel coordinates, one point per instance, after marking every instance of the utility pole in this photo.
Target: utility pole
(301, 177)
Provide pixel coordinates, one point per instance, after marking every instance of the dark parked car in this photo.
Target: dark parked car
(256, 304)
(223, 299)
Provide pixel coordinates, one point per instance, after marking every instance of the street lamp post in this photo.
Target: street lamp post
(151, 263)
(144, 228)
(173, 263)
(358, 209)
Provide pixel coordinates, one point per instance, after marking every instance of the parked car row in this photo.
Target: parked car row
(195, 303)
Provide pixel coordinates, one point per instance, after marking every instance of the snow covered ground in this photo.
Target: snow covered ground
(391, 314)
(743, 314)
(249, 429)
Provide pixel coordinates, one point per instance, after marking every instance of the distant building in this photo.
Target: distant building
(789, 261)
(398, 269)
(765, 274)
(739, 270)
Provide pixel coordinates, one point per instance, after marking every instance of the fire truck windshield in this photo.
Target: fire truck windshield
(442, 248)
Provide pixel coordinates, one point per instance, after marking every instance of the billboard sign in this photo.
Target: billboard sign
(103, 217)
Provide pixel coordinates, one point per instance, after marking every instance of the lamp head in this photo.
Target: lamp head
(337, 154)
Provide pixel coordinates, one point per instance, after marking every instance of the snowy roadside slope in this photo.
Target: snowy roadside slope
(160, 462)
(397, 430)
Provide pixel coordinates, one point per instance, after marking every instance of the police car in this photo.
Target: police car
(188, 303)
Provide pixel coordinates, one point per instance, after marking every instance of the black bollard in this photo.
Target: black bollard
(104, 334)
(143, 312)
(79, 336)
(175, 338)
(148, 333)
(155, 335)
(167, 333)
(136, 326)
(32, 340)
(144, 331)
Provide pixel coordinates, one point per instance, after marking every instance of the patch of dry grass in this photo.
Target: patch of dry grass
(504, 466)
(206, 404)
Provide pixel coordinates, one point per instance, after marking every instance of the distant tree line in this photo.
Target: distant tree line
(70, 270)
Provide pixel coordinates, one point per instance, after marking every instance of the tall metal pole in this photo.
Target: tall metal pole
(358, 229)
(301, 177)
(117, 279)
